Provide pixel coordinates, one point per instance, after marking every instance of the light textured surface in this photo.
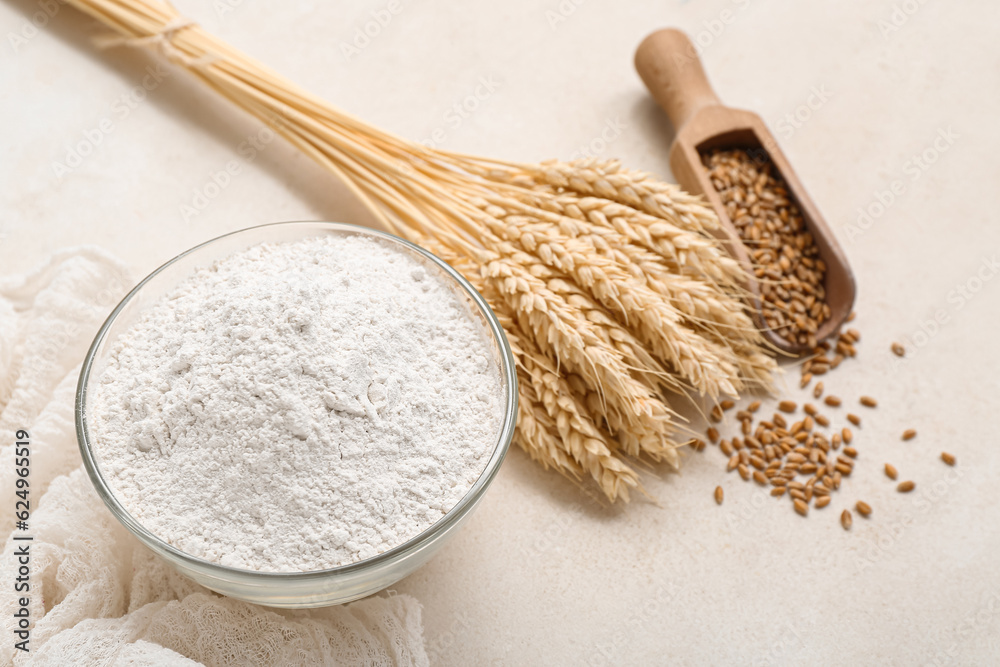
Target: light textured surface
(540, 574)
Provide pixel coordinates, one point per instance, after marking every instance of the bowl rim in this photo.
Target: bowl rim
(400, 551)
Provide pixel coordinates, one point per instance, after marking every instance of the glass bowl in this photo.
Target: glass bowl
(320, 587)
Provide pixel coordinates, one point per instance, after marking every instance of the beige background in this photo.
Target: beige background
(542, 575)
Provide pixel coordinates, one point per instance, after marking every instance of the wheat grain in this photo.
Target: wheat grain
(801, 506)
(788, 267)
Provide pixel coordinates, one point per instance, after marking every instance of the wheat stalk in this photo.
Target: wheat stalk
(609, 283)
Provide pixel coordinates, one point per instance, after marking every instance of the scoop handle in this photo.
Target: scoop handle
(669, 66)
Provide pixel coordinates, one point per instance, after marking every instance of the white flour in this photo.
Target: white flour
(298, 406)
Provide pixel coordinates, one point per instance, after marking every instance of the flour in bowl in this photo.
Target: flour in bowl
(298, 406)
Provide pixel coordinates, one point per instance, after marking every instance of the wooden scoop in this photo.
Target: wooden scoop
(668, 64)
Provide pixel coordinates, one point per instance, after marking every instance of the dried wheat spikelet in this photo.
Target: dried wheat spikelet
(610, 288)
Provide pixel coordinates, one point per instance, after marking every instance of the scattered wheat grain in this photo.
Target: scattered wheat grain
(801, 506)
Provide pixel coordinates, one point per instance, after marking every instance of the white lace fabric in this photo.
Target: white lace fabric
(98, 596)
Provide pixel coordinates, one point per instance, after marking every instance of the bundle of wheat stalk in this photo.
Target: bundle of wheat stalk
(609, 284)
